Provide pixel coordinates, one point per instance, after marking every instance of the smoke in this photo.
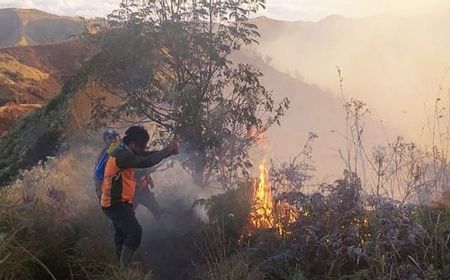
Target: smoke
(64, 184)
(176, 192)
(169, 245)
(396, 64)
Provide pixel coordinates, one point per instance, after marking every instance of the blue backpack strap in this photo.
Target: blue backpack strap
(99, 171)
(101, 165)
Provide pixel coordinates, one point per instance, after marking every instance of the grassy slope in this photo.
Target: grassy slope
(16, 79)
(42, 132)
(36, 136)
(35, 74)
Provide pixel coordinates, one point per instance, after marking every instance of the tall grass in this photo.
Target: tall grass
(223, 262)
(51, 226)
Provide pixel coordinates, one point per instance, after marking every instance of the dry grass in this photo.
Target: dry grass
(19, 82)
(53, 228)
(340, 234)
(12, 71)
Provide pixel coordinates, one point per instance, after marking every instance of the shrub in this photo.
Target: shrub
(342, 234)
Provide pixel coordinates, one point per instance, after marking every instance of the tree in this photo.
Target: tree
(188, 84)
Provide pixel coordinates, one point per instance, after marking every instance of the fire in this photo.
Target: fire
(261, 215)
(265, 214)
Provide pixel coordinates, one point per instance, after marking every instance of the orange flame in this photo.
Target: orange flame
(261, 215)
(265, 214)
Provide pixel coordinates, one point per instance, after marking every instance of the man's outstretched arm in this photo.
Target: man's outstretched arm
(127, 159)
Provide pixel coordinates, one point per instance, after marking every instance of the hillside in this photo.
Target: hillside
(269, 173)
(37, 55)
(23, 27)
(395, 64)
(42, 132)
(34, 75)
(312, 109)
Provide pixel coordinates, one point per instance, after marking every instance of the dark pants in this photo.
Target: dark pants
(128, 231)
(147, 199)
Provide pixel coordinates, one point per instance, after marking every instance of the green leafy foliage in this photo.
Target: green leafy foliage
(186, 82)
(229, 211)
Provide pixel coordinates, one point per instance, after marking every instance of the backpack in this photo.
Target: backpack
(99, 170)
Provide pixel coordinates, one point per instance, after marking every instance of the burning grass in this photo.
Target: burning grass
(339, 233)
(336, 233)
(262, 212)
(266, 213)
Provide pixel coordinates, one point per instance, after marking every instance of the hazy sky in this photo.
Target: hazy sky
(282, 9)
(318, 9)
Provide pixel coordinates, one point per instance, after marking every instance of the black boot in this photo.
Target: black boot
(125, 257)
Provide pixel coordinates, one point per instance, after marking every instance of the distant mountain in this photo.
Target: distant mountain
(25, 27)
(393, 63)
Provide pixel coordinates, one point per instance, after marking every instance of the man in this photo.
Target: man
(144, 183)
(119, 187)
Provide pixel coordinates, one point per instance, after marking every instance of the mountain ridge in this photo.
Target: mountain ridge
(25, 27)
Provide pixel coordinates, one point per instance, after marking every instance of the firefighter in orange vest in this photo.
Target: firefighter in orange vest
(119, 186)
(144, 182)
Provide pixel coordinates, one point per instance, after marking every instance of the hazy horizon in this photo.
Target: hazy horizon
(395, 64)
(289, 10)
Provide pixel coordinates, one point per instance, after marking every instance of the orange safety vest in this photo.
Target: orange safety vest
(118, 186)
